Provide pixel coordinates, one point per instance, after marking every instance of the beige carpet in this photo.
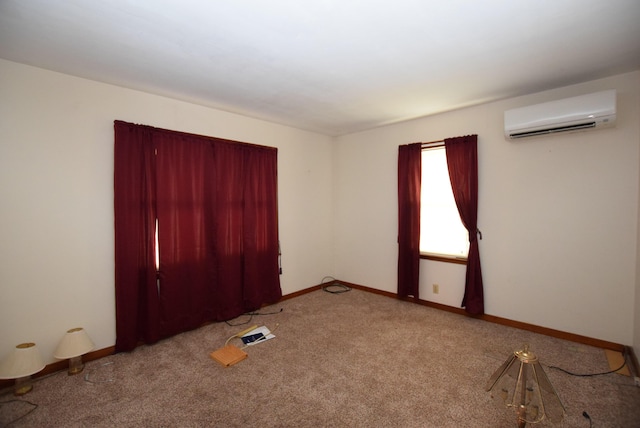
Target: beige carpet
(355, 359)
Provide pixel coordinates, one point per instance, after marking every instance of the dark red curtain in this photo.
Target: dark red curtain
(137, 299)
(462, 162)
(246, 228)
(215, 203)
(409, 180)
(183, 188)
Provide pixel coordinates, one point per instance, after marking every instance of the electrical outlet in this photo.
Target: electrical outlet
(436, 288)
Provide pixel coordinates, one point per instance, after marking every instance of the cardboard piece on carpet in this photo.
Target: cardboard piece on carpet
(616, 359)
(229, 355)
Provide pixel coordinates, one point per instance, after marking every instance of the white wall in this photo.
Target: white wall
(56, 193)
(559, 214)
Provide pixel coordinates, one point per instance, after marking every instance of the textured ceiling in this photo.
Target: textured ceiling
(332, 66)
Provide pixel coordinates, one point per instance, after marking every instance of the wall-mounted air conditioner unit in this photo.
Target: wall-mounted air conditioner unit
(570, 114)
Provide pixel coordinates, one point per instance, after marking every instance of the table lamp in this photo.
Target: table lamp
(75, 343)
(20, 364)
(522, 384)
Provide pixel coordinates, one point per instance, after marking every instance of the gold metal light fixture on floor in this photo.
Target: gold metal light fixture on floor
(75, 343)
(20, 364)
(522, 384)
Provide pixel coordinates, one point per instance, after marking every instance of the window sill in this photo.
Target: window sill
(444, 258)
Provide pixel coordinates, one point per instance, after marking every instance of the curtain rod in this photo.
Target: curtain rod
(432, 144)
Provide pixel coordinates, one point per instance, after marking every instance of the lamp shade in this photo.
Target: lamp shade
(25, 360)
(74, 343)
(522, 384)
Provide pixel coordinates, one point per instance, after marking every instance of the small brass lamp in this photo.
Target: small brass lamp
(20, 364)
(522, 384)
(75, 343)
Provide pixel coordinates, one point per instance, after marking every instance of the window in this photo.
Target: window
(195, 231)
(441, 230)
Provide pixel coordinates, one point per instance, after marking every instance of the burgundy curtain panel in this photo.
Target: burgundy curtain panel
(215, 204)
(409, 181)
(137, 299)
(462, 162)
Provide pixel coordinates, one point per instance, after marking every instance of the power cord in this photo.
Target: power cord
(251, 315)
(585, 414)
(591, 374)
(34, 407)
(331, 286)
(240, 334)
(87, 375)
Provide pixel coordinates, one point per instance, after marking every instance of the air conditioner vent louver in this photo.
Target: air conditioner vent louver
(570, 114)
(553, 130)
